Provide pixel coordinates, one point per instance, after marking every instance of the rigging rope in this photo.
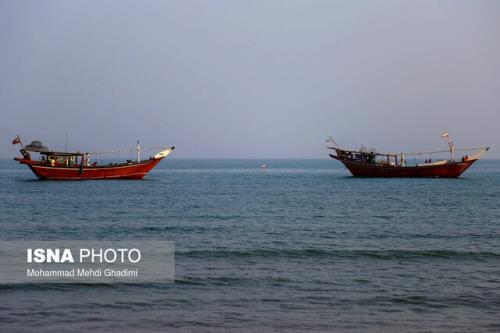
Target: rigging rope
(447, 151)
(131, 150)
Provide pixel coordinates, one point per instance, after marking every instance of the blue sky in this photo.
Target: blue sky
(245, 79)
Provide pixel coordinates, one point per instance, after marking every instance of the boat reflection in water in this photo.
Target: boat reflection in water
(77, 166)
(368, 163)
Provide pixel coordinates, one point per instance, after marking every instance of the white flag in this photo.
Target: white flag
(445, 134)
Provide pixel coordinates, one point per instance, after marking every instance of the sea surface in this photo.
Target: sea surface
(298, 247)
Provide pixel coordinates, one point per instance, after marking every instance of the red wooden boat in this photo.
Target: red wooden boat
(76, 166)
(368, 163)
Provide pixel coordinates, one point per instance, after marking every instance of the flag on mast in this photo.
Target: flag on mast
(16, 141)
(445, 134)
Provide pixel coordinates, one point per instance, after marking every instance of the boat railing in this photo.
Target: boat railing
(402, 159)
(480, 151)
(72, 159)
(125, 150)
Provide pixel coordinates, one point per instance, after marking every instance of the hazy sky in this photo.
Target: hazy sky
(250, 78)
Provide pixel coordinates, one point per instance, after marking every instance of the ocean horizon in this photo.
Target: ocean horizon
(300, 245)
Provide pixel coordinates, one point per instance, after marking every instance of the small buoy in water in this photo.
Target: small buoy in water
(263, 166)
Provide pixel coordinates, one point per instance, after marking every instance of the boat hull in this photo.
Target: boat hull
(448, 170)
(135, 170)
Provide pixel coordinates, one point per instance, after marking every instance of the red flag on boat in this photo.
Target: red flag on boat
(16, 141)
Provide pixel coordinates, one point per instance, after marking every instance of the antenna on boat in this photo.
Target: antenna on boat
(66, 141)
(138, 152)
(446, 135)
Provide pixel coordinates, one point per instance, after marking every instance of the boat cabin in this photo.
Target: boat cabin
(66, 159)
(371, 157)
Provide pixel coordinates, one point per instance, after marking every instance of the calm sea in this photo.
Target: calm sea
(300, 246)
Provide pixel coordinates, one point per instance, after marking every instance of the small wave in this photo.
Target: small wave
(231, 280)
(383, 217)
(434, 301)
(305, 253)
(193, 228)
